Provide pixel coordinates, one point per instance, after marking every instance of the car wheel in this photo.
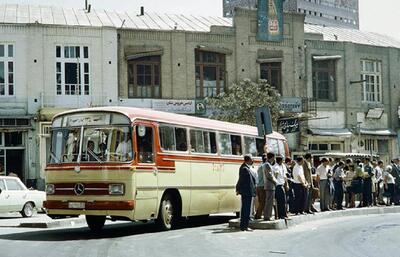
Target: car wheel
(95, 223)
(166, 214)
(27, 210)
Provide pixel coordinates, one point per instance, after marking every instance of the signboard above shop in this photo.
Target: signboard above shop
(175, 106)
(291, 104)
(287, 126)
(270, 20)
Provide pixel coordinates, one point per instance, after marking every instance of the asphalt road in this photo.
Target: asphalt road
(374, 235)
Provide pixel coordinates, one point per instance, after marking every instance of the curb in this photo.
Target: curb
(296, 220)
(72, 222)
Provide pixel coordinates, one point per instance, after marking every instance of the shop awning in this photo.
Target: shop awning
(335, 132)
(326, 57)
(378, 132)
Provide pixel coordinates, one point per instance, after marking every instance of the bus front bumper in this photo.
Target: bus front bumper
(104, 208)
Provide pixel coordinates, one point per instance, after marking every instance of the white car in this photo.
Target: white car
(15, 197)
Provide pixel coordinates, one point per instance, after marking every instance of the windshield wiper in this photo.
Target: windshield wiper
(94, 155)
(54, 157)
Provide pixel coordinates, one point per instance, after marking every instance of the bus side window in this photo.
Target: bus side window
(144, 140)
(181, 139)
(260, 144)
(236, 145)
(225, 144)
(213, 142)
(250, 146)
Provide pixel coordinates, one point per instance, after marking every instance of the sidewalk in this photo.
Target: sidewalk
(38, 220)
(296, 220)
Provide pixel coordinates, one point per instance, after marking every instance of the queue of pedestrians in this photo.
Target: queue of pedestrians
(288, 187)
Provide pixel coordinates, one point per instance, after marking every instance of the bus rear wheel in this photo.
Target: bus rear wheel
(95, 223)
(166, 215)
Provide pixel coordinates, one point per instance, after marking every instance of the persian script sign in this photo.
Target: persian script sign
(175, 106)
(287, 126)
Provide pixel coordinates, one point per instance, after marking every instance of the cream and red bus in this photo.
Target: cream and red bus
(140, 164)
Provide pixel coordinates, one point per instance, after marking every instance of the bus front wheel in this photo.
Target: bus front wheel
(95, 223)
(166, 214)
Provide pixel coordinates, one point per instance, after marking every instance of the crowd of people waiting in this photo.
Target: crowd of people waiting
(291, 187)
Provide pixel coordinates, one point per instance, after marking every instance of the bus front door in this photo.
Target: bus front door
(146, 173)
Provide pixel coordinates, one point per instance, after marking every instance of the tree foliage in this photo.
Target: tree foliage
(239, 104)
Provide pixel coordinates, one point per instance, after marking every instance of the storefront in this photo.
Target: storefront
(14, 134)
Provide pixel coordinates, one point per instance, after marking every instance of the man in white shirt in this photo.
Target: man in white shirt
(299, 186)
(322, 179)
(280, 171)
(124, 149)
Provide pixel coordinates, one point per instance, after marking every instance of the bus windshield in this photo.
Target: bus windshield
(91, 144)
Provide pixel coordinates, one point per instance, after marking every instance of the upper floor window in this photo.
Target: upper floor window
(72, 64)
(372, 77)
(272, 72)
(7, 69)
(210, 73)
(144, 77)
(324, 80)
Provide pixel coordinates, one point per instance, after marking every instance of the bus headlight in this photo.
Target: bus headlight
(50, 189)
(116, 189)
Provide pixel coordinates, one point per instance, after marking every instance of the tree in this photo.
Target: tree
(239, 104)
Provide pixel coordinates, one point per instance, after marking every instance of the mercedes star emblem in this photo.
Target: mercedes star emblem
(79, 189)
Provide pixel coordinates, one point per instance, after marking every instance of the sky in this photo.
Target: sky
(381, 16)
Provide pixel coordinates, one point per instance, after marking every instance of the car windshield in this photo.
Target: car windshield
(91, 144)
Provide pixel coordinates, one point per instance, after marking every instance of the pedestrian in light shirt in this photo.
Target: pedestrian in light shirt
(269, 186)
(338, 177)
(281, 187)
(322, 179)
(260, 189)
(299, 186)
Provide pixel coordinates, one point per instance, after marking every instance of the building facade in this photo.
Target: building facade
(343, 13)
(48, 64)
(72, 59)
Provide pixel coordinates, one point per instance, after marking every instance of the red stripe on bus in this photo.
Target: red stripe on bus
(97, 205)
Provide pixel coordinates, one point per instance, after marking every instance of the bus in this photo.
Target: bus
(137, 164)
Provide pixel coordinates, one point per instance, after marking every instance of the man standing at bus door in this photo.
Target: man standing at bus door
(269, 186)
(246, 188)
(260, 189)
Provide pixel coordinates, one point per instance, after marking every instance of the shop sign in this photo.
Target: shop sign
(287, 126)
(175, 106)
(291, 104)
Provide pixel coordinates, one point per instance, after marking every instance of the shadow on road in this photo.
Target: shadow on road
(109, 231)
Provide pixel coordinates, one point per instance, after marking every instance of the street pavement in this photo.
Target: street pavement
(370, 236)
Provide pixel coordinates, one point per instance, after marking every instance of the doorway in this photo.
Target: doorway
(15, 162)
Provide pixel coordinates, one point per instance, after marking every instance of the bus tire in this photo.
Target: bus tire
(95, 223)
(167, 214)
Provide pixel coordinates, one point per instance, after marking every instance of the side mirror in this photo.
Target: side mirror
(1, 190)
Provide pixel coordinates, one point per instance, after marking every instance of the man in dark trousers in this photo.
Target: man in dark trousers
(369, 173)
(269, 186)
(396, 175)
(246, 188)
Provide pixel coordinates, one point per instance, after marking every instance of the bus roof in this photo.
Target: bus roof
(175, 119)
